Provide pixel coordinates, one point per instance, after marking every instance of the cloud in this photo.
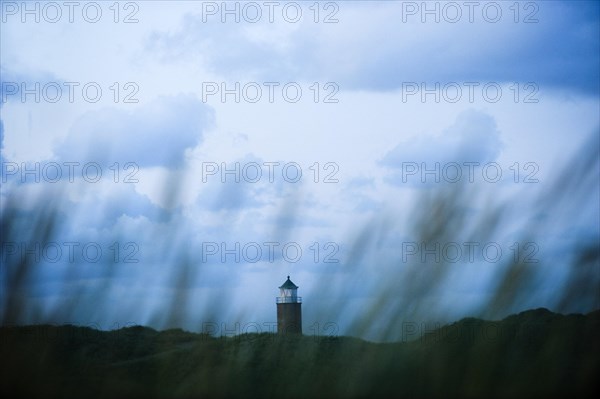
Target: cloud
(11, 82)
(474, 137)
(226, 47)
(155, 134)
(560, 50)
(376, 50)
(230, 196)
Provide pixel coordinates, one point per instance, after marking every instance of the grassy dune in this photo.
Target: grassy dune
(533, 354)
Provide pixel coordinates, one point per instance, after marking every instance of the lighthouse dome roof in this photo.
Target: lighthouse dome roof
(288, 284)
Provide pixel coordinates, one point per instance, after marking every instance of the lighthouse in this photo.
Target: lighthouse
(289, 309)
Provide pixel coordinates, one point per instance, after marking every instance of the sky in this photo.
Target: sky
(207, 150)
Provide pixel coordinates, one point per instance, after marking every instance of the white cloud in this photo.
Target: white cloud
(155, 134)
(473, 136)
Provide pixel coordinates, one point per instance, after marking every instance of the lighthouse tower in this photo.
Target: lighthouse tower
(289, 309)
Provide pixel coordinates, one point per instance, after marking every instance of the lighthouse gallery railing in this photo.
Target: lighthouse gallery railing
(288, 299)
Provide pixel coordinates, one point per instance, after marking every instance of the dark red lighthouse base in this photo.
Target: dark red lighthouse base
(289, 318)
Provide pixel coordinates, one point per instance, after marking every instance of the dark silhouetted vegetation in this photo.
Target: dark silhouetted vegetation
(533, 354)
